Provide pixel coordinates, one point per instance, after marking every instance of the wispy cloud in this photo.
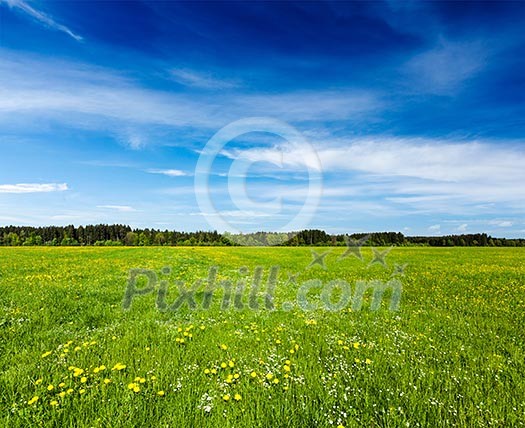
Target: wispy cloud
(502, 223)
(426, 174)
(430, 159)
(65, 92)
(200, 80)
(168, 172)
(33, 187)
(462, 228)
(41, 17)
(120, 208)
(435, 229)
(442, 69)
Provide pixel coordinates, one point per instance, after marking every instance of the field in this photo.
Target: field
(70, 356)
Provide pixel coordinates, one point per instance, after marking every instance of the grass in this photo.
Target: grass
(453, 355)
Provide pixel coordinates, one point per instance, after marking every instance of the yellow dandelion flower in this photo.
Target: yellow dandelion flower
(77, 348)
(287, 368)
(50, 387)
(83, 379)
(368, 361)
(33, 400)
(224, 365)
(70, 391)
(77, 372)
(356, 345)
(136, 389)
(206, 371)
(237, 397)
(54, 403)
(46, 354)
(106, 381)
(224, 347)
(269, 376)
(276, 381)
(61, 385)
(339, 342)
(231, 363)
(148, 348)
(213, 371)
(161, 393)
(226, 397)
(288, 362)
(38, 381)
(119, 367)
(82, 391)
(253, 374)
(153, 377)
(357, 360)
(62, 394)
(236, 376)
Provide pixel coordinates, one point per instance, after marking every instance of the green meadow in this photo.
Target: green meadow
(70, 356)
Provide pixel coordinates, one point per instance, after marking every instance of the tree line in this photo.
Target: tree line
(104, 235)
(117, 234)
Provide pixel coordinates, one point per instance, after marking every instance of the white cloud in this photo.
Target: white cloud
(120, 208)
(168, 172)
(442, 69)
(462, 228)
(504, 223)
(41, 17)
(135, 141)
(88, 96)
(438, 175)
(436, 229)
(200, 80)
(33, 187)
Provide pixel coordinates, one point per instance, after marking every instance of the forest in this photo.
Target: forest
(117, 234)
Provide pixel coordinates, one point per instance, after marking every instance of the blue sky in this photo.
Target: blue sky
(412, 112)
